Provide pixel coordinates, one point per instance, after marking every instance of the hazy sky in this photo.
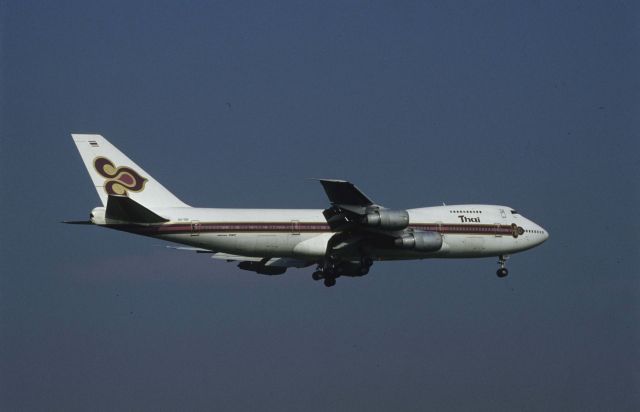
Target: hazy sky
(235, 104)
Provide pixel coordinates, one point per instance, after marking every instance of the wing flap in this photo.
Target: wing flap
(263, 266)
(274, 262)
(191, 249)
(230, 258)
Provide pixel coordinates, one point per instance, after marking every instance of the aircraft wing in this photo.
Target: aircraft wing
(348, 204)
(353, 210)
(341, 192)
(264, 266)
(357, 220)
(190, 249)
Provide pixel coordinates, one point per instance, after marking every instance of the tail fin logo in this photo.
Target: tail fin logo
(119, 180)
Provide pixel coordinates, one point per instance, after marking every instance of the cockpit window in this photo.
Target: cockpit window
(514, 212)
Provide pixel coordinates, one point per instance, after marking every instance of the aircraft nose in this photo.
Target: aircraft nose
(545, 234)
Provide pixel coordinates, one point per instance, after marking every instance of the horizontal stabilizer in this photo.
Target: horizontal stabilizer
(78, 222)
(125, 209)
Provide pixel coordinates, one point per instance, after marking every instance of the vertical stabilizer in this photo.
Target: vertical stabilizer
(113, 173)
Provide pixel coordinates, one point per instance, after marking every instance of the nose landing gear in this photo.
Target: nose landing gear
(502, 271)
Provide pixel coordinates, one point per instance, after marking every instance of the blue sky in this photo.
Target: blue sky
(235, 104)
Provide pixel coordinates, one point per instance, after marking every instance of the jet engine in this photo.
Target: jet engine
(387, 219)
(423, 241)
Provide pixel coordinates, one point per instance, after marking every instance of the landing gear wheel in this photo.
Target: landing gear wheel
(502, 262)
(317, 275)
(328, 282)
(365, 265)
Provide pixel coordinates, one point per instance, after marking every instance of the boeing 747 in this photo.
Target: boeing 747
(344, 239)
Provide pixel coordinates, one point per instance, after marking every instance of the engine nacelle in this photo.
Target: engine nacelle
(387, 219)
(423, 241)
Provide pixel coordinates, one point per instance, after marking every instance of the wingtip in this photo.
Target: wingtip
(85, 136)
(320, 179)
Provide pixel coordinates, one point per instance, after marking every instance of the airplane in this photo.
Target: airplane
(344, 239)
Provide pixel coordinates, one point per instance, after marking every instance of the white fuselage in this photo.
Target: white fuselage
(467, 231)
(343, 240)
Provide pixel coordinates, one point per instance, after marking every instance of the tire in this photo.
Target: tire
(317, 275)
(328, 282)
(502, 272)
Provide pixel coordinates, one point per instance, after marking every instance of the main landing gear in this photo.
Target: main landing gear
(333, 268)
(328, 282)
(328, 276)
(502, 271)
(328, 272)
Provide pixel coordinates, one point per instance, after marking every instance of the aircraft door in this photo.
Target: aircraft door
(295, 227)
(503, 215)
(195, 228)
